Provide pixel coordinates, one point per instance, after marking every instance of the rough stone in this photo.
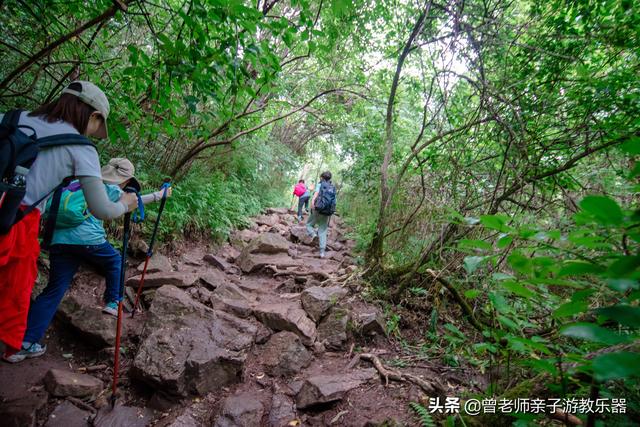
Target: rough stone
(22, 411)
(284, 355)
(317, 300)
(321, 389)
(188, 348)
(268, 220)
(282, 411)
(119, 416)
(217, 261)
(185, 420)
(277, 211)
(263, 334)
(268, 243)
(157, 263)
(62, 383)
(299, 234)
(333, 329)
(93, 325)
(212, 278)
(250, 263)
(138, 248)
(239, 239)
(155, 280)
(371, 323)
(238, 307)
(67, 414)
(287, 316)
(241, 410)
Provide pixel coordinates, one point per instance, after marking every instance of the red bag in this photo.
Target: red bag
(299, 189)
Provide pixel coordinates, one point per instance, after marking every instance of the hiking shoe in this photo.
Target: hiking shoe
(111, 308)
(322, 254)
(33, 350)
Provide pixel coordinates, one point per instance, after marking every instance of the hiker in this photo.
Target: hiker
(298, 191)
(81, 109)
(303, 200)
(72, 246)
(323, 206)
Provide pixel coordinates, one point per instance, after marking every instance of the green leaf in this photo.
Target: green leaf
(520, 263)
(624, 314)
(613, 366)
(471, 263)
(591, 332)
(472, 293)
(517, 289)
(508, 322)
(624, 267)
(632, 146)
(603, 209)
(474, 244)
(622, 285)
(579, 268)
(504, 242)
(571, 309)
(495, 222)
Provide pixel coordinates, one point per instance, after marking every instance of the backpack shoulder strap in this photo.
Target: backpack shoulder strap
(11, 118)
(64, 139)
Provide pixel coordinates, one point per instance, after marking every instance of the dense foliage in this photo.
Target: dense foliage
(486, 153)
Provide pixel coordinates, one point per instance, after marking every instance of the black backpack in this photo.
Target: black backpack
(326, 200)
(17, 149)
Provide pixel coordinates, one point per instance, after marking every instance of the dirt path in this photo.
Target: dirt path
(260, 331)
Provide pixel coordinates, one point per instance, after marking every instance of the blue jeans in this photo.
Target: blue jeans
(322, 221)
(302, 201)
(64, 262)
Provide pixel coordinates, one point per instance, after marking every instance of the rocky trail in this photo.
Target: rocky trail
(260, 331)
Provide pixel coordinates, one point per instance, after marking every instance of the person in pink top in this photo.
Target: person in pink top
(300, 191)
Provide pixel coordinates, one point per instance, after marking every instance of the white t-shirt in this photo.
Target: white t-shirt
(55, 164)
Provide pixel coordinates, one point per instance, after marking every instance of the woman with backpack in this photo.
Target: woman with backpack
(81, 109)
(323, 206)
(73, 246)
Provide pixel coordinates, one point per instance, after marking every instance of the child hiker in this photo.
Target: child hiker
(81, 109)
(70, 247)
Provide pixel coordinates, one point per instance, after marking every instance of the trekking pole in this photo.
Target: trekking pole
(165, 187)
(123, 262)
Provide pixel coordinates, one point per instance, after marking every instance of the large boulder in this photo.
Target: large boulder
(155, 280)
(230, 298)
(157, 263)
(277, 211)
(284, 355)
(91, 323)
(371, 323)
(239, 239)
(332, 331)
(287, 316)
(268, 243)
(67, 414)
(23, 411)
(252, 262)
(282, 411)
(62, 383)
(321, 389)
(188, 348)
(217, 261)
(268, 220)
(299, 234)
(118, 416)
(317, 300)
(213, 278)
(241, 410)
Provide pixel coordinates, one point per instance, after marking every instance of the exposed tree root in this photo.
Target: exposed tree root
(432, 387)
